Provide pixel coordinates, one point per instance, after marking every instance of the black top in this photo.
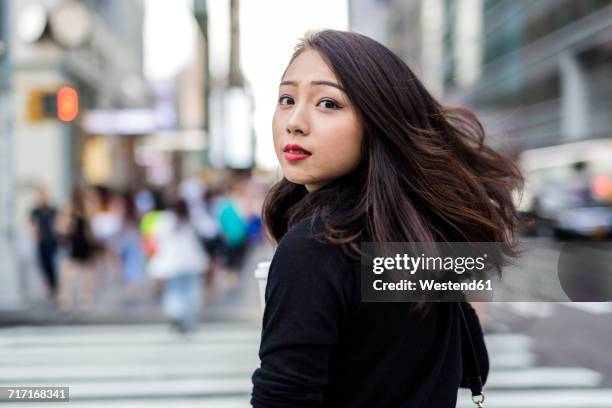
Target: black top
(81, 246)
(43, 217)
(322, 347)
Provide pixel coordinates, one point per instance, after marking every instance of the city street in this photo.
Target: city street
(150, 151)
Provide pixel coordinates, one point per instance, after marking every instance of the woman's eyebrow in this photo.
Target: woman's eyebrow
(328, 83)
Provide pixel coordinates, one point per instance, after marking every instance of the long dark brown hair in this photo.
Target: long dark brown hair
(426, 174)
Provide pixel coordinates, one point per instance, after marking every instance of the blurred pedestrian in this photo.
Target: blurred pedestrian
(79, 267)
(234, 232)
(179, 263)
(209, 233)
(105, 225)
(105, 221)
(252, 208)
(129, 246)
(144, 200)
(42, 218)
(150, 221)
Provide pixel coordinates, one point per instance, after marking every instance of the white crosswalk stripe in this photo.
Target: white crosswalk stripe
(148, 366)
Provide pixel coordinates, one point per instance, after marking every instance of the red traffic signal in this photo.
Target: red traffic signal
(67, 104)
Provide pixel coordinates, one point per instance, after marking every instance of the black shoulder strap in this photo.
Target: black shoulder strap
(470, 359)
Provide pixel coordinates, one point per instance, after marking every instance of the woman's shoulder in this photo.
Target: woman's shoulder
(308, 234)
(306, 263)
(305, 245)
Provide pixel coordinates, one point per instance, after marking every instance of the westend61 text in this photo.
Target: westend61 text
(432, 285)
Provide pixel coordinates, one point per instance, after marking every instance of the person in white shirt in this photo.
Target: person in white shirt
(179, 262)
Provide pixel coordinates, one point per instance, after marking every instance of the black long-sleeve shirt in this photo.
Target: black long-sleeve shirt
(322, 347)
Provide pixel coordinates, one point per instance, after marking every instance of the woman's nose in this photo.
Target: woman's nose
(298, 121)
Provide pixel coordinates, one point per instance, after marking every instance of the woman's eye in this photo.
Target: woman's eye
(285, 100)
(329, 104)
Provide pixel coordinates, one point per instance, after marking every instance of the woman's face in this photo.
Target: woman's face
(317, 133)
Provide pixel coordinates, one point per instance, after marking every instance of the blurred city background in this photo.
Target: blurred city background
(119, 118)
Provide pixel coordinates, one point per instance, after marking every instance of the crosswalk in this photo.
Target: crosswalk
(149, 366)
(516, 381)
(134, 366)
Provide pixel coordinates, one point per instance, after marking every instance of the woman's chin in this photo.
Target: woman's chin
(295, 179)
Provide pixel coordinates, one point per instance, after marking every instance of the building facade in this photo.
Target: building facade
(537, 71)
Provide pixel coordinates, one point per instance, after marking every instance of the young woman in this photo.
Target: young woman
(369, 155)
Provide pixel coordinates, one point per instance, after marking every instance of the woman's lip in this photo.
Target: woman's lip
(294, 147)
(296, 156)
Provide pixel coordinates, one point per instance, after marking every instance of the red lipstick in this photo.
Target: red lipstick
(295, 152)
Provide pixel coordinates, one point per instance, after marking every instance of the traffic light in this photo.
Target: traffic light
(67, 104)
(49, 104)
